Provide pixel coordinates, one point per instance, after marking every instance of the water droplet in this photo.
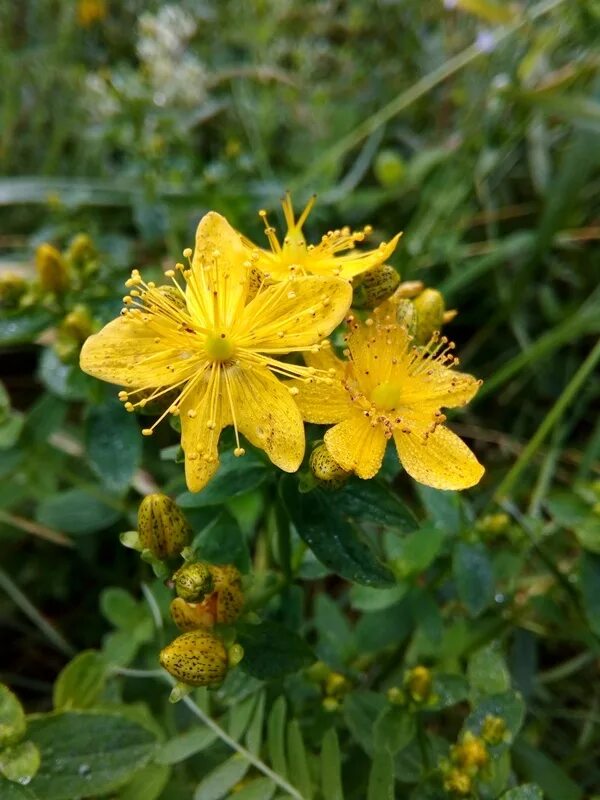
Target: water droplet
(84, 769)
(24, 780)
(499, 598)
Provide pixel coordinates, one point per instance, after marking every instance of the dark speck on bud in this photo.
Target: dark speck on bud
(328, 473)
(162, 527)
(374, 286)
(196, 658)
(194, 581)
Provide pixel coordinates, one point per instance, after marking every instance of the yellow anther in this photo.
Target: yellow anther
(187, 253)
(147, 431)
(239, 451)
(192, 413)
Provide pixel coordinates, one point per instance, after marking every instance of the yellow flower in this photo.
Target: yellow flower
(334, 255)
(88, 12)
(389, 388)
(218, 350)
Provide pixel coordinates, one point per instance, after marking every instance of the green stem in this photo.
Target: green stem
(552, 417)
(417, 90)
(27, 607)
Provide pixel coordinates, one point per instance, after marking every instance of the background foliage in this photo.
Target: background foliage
(472, 126)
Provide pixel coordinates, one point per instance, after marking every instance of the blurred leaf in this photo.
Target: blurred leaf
(331, 767)
(219, 781)
(487, 672)
(377, 630)
(589, 579)
(394, 729)
(447, 690)
(234, 477)
(254, 734)
(23, 326)
(550, 777)
(361, 710)
(222, 542)
(507, 705)
(14, 791)
(12, 717)
(381, 777)
(374, 503)
(276, 736)
(415, 552)
(181, 747)
(81, 682)
(529, 791)
(257, 789)
(20, 762)
(120, 608)
(270, 650)
(113, 444)
(147, 783)
(364, 598)
(299, 774)
(473, 575)
(334, 541)
(76, 511)
(66, 381)
(444, 508)
(86, 754)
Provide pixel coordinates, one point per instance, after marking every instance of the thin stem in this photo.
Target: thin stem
(215, 727)
(35, 528)
(552, 417)
(417, 90)
(27, 607)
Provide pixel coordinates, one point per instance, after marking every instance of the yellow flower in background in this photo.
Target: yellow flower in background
(334, 255)
(390, 389)
(218, 350)
(89, 12)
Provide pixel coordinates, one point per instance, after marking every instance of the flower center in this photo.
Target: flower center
(387, 396)
(219, 347)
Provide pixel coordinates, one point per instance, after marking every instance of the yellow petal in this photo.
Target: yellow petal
(322, 403)
(357, 446)
(126, 352)
(267, 415)
(219, 263)
(439, 387)
(325, 359)
(438, 459)
(350, 264)
(293, 314)
(206, 405)
(373, 351)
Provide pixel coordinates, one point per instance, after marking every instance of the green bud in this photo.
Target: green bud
(196, 658)
(235, 654)
(52, 270)
(194, 581)
(406, 316)
(328, 473)
(396, 696)
(418, 683)
(162, 527)
(81, 250)
(493, 730)
(389, 168)
(12, 289)
(374, 286)
(430, 310)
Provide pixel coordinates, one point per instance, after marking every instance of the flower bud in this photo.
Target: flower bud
(374, 286)
(328, 472)
(194, 581)
(408, 290)
(190, 616)
(162, 527)
(225, 576)
(78, 324)
(197, 658)
(493, 731)
(457, 782)
(471, 753)
(389, 168)
(52, 271)
(418, 682)
(81, 250)
(336, 685)
(12, 288)
(406, 316)
(396, 696)
(430, 310)
(235, 654)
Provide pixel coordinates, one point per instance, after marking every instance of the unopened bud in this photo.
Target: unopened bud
(336, 684)
(457, 782)
(396, 696)
(389, 168)
(430, 314)
(52, 271)
(374, 286)
(418, 682)
(235, 653)
(190, 616)
(326, 470)
(12, 288)
(493, 524)
(330, 704)
(81, 250)
(408, 290)
(162, 527)
(493, 730)
(78, 324)
(197, 658)
(194, 581)
(470, 753)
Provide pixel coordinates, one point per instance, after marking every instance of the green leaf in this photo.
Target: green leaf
(120, 608)
(332, 538)
(363, 598)
(271, 650)
(216, 784)
(297, 761)
(12, 717)
(254, 733)
(588, 533)
(66, 381)
(361, 710)
(381, 777)
(374, 503)
(235, 476)
(528, 791)
(507, 705)
(20, 762)
(23, 326)
(222, 542)
(589, 581)
(14, 791)
(487, 671)
(447, 690)
(331, 767)
(275, 736)
(239, 717)
(394, 729)
(86, 753)
(185, 745)
(76, 511)
(258, 789)
(114, 444)
(473, 575)
(418, 550)
(550, 777)
(81, 682)
(444, 508)
(147, 783)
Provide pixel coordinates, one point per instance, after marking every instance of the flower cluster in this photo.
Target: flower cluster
(219, 346)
